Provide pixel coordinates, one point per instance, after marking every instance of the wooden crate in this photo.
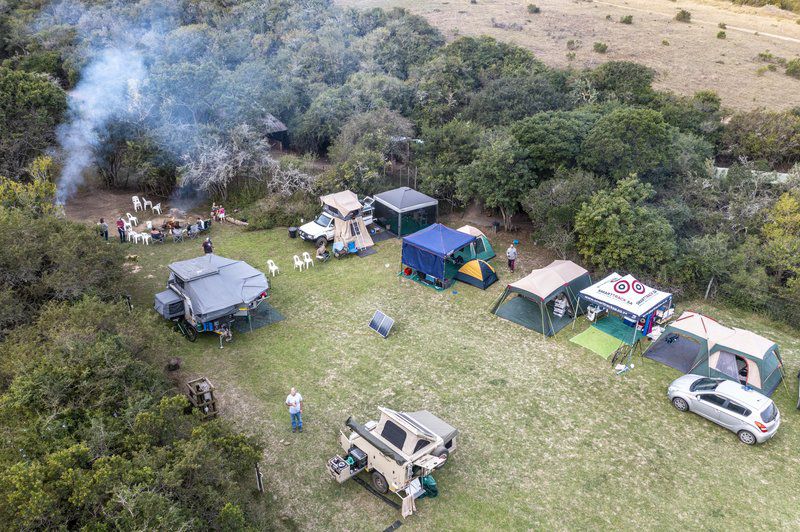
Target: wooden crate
(201, 395)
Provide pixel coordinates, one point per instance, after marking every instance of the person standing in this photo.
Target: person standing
(511, 255)
(121, 229)
(295, 403)
(208, 247)
(104, 229)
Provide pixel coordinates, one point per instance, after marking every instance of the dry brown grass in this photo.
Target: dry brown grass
(694, 59)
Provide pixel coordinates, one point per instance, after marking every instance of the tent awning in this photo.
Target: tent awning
(625, 295)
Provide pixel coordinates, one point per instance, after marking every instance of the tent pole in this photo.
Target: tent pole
(633, 341)
(575, 316)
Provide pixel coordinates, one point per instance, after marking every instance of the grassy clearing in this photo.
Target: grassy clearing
(551, 438)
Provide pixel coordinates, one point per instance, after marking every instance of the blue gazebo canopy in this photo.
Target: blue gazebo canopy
(427, 249)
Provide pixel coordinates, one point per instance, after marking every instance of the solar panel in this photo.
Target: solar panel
(381, 323)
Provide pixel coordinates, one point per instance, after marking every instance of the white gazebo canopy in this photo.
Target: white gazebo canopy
(625, 295)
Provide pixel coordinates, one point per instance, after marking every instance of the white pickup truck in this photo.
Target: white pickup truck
(323, 228)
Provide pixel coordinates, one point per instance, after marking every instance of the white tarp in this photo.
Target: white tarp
(625, 295)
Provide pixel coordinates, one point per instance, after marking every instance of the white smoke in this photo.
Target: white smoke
(108, 89)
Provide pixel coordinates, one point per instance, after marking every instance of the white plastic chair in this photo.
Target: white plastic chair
(146, 203)
(134, 237)
(146, 238)
(136, 203)
(157, 207)
(128, 226)
(298, 263)
(273, 268)
(307, 259)
(149, 225)
(132, 219)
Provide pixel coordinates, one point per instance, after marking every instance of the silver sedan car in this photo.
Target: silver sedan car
(750, 414)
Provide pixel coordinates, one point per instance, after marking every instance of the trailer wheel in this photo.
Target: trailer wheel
(379, 482)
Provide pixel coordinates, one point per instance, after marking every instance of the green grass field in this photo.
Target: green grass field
(550, 437)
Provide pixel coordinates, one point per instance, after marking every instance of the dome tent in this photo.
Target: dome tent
(477, 273)
(482, 248)
(536, 293)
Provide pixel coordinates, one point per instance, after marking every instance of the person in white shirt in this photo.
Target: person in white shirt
(295, 403)
(511, 255)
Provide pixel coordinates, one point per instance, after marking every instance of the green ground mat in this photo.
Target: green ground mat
(597, 341)
(613, 326)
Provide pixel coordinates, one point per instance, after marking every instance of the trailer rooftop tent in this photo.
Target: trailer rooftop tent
(404, 211)
(347, 219)
(545, 299)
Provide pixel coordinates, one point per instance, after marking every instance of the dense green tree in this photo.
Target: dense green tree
(700, 114)
(782, 237)
(628, 141)
(499, 176)
(31, 106)
(617, 230)
(94, 438)
(771, 136)
(628, 82)
(444, 152)
(553, 204)
(404, 41)
(553, 139)
(381, 130)
(504, 100)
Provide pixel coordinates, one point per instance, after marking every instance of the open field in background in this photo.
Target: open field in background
(550, 437)
(694, 59)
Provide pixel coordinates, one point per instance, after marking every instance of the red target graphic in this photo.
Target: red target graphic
(621, 286)
(638, 287)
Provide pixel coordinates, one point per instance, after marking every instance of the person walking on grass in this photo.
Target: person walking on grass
(103, 229)
(295, 403)
(121, 229)
(511, 255)
(208, 247)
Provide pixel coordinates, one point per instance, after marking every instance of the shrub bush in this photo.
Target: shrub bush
(533, 9)
(627, 19)
(274, 211)
(722, 26)
(600, 47)
(721, 35)
(683, 16)
(793, 68)
(664, 42)
(573, 44)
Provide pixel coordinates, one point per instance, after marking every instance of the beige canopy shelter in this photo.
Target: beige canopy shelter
(348, 223)
(544, 298)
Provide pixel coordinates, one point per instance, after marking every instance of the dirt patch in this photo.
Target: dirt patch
(686, 57)
(90, 204)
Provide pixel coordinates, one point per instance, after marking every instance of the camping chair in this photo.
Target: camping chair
(136, 203)
(307, 259)
(273, 268)
(157, 207)
(146, 203)
(177, 235)
(297, 262)
(132, 219)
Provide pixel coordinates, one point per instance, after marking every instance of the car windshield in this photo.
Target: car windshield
(769, 413)
(323, 220)
(704, 385)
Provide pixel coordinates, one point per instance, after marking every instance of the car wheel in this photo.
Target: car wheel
(379, 482)
(681, 404)
(321, 240)
(444, 455)
(747, 437)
